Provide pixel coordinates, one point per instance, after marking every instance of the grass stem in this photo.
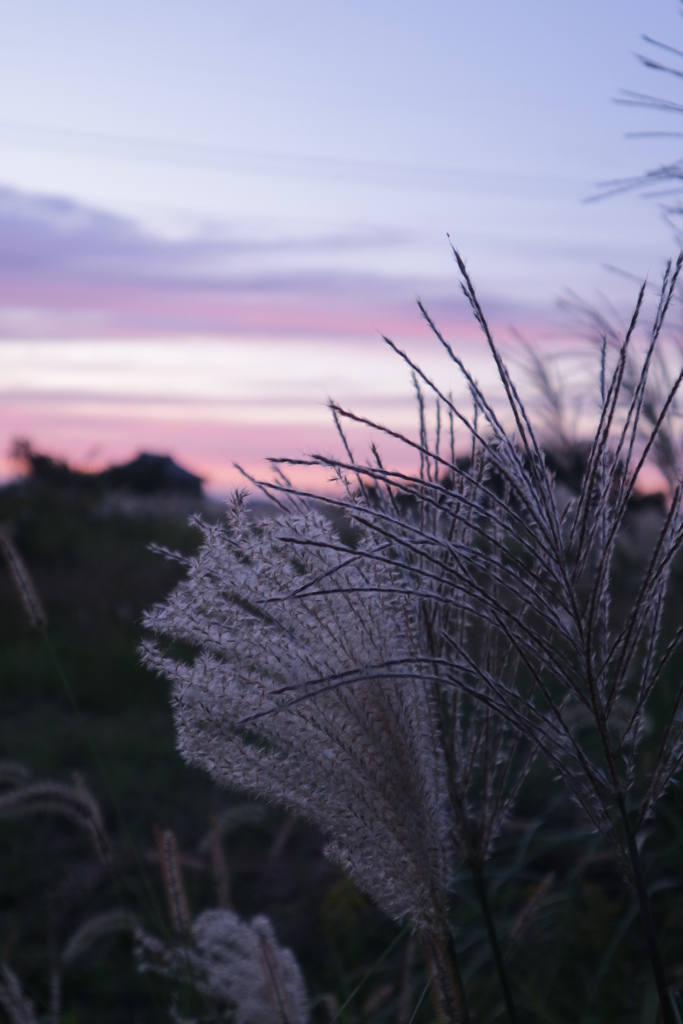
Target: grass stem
(448, 991)
(668, 1014)
(482, 896)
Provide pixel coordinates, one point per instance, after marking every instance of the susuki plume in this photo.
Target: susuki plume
(535, 574)
(237, 968)
(279, 610)
(396, 690)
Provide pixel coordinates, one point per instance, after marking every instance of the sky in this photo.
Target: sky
(210, 213)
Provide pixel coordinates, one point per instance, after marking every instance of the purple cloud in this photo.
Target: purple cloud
(71, 270)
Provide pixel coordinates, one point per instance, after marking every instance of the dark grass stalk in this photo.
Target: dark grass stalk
(419, 1005)
(378, 962)
(668, 1013)
(480, 888)
(448, 991)
(475, 865)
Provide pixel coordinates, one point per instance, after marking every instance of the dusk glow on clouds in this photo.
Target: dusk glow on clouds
(72, 271)
(117, 339)
(231, 402)
(207, 221)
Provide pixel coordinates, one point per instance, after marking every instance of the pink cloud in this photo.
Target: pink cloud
(92, 441)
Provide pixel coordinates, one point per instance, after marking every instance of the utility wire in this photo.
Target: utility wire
(220, 159)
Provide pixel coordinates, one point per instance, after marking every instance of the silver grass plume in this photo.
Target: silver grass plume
(421, 528)
(363, 760)
(485, 612)
(536, 575)
(567, 672)
(237, 969)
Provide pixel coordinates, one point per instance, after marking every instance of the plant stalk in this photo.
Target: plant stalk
(445, 980)
(480, 888)
(668, 1015)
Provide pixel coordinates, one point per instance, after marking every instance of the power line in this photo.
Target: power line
(220, 159)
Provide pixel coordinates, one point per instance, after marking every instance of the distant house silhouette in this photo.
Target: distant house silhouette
(147, 474)
(152, 474)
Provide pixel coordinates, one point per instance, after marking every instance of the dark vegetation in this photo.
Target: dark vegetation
(77, 700)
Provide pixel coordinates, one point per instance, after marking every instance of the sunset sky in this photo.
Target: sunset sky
(210, 212)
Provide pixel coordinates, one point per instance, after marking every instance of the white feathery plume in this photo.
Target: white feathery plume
(536, 580)
(258, 707)
(383, 689)
(236, 967)
(534, 576)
